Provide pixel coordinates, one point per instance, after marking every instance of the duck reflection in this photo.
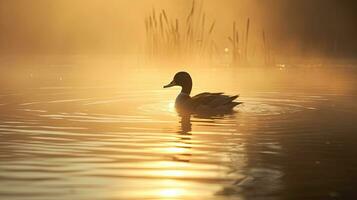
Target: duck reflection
(186, 125)
(184, 144)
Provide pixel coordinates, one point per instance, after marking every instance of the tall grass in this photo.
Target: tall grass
(234, 40)
(170, 37)
(191, 37)
(239, 45)
(268, 56)
(247, 39)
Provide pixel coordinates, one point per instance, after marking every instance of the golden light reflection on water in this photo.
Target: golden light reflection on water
(131, 142)
(172, 193)
(175, 150)
(171, 107)
(168, 189)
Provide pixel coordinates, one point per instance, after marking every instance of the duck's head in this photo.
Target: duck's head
(182, 79)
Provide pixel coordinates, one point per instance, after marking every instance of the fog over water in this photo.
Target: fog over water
(321, 27)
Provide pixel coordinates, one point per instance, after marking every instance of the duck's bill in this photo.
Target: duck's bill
(170, 84)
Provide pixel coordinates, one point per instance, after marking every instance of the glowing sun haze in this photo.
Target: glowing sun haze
(117, 26)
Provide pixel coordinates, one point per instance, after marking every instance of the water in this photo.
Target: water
(68, 133)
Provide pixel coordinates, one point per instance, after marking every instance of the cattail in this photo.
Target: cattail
(264, 47)
(237, 38)
(150, 24)
(165, 17)
(161, 26)
(190, 15)
(177, 25)
(203, 26)
(237, 45)
(234, 33)
(212, 28)
(193, 8)
(154, 17)
(247, 39)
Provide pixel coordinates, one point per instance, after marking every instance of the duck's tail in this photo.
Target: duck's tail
(232, 98)
(228, 106)
(231, 105)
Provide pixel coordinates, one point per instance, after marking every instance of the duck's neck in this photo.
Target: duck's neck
(186, 89)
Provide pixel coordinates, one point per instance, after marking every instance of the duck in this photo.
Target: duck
(205, 103)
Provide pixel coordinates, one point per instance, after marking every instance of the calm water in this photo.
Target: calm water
(68, 133)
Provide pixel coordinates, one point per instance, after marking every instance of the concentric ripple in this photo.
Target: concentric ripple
(115, 143)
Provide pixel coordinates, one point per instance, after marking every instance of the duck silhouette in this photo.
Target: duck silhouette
(205, 103)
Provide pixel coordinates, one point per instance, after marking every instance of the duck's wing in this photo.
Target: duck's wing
(214, 101)
(204, 98)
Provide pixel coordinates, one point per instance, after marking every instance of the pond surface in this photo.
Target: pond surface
(89, 133)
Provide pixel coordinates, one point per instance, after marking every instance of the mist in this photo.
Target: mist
(294, 28)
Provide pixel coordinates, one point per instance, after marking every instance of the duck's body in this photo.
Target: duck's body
(203, 103)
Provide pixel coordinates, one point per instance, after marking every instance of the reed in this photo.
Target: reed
(247, 39)
(168, 37)
(264, 47)
(234, 40)
(240, 46)
(268, 55)
(191, 37)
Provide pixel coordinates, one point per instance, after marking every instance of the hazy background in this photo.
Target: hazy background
(296, 27)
